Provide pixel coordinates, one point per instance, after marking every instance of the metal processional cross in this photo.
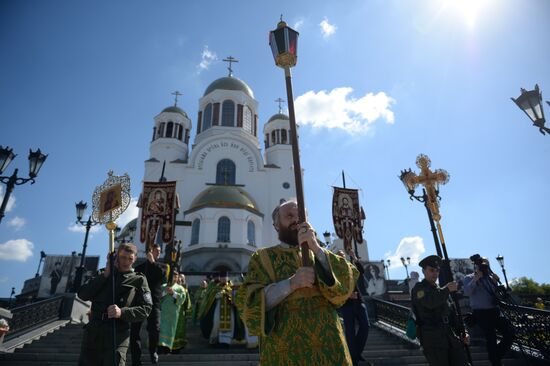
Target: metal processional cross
(230, 60)
(176, 94)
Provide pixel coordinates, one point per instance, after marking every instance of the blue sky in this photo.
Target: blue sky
(377, 83)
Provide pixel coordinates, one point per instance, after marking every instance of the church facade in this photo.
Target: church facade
(226, 186)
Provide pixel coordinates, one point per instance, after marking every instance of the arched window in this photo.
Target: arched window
(225, 172)
(224, 229)
(251, 233)
(170, 129)
(195, 229)
(228, 113)
(283, 136)
(207, 118)
(247, 120)
(273, 138)
(180, 132)
(161, 129)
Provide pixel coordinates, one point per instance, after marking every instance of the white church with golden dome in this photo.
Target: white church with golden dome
(227, 187)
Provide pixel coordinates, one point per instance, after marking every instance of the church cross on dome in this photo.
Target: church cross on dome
(280, 101)
(230, 60)
(176, 94)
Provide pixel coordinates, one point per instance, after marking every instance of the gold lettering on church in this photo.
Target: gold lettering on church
(226, 145)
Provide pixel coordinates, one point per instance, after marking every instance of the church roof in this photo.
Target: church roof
(229, 83)
(128, 228)
(174, 109)
(224, 196)
(278, 116)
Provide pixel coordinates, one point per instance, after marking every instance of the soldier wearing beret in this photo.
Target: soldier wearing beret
(132, 304)
(436, 318)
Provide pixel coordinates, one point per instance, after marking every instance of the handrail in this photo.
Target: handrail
(35, 314)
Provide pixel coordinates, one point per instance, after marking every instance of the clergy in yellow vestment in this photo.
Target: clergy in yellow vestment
(293, 308)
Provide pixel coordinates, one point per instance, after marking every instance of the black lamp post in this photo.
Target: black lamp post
(406, 263)
(500, 260)
(326, 235)
(530, 102)
(42, 257)
(80, 210)
(36, 159)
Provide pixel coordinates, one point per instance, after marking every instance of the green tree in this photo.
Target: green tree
(528, 287)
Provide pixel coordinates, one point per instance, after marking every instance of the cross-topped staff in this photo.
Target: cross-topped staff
(280, 101)
(431, 181)
(176, 94)
(230, 60)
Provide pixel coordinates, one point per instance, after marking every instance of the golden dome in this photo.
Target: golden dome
(224, 196)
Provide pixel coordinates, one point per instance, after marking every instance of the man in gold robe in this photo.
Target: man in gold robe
(293, 308)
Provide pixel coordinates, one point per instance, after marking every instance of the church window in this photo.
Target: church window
(239, 115)
(278, 136)
(207, 119)
(225, 172)
(228, 113)
(283, 136)
(224, 229)
(286, 185)
(180, 132)
(247, 120)
(186, 135)
(251, 233)
(154, 133)
(195, 229)
(273, 138)
(199, 120)
(161, 129)
(170, 129)
(255, 125)
(216, 115)
(266, 140)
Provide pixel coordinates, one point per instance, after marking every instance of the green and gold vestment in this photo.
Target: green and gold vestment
(304, 328)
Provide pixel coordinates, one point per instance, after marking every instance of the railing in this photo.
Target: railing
(532, 327)
(32, 315)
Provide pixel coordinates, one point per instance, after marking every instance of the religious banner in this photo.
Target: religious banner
(157, 202)
(347, 216)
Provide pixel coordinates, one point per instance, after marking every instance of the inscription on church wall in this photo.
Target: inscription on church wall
(230, 147)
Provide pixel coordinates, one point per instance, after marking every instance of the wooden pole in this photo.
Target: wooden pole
(296, 162)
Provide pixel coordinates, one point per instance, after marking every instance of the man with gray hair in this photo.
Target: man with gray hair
(291, 307)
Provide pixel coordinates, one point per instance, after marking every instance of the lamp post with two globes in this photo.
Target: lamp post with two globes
(80, 210)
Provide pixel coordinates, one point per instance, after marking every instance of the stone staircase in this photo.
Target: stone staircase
(62, 347)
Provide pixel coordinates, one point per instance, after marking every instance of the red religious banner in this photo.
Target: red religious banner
(347, 216)
(157, 202)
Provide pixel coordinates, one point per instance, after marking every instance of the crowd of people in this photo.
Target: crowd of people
(280, 304)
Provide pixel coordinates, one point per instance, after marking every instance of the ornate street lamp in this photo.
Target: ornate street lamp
(36, 159)
(284, 46)
(406, 264)
(326, 235)
(80, 210)
(42, 257)
(500, 260)
(530, 102)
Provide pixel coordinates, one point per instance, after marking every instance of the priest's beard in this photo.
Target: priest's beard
(289, 236)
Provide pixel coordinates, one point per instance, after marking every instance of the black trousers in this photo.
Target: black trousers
(354, 313)
(153, 329)
(490, 321)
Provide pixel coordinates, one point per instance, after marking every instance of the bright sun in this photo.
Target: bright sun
(470, 10)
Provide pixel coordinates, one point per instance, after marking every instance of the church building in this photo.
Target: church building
(226, 186)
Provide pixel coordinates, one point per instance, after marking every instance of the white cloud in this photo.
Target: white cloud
(16, 250)
(11, 201)
(131, 213)
(207, 57)
(409, 246)
(78, 228)
(17, 223)
(298, 24)
(327, 29)
(337, 109)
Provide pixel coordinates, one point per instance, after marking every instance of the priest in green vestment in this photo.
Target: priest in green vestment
(293, 308)
(173, 296)
(180, 339)
(207, 306)
(197, 298)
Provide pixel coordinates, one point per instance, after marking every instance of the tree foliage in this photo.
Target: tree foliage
(529, 287)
